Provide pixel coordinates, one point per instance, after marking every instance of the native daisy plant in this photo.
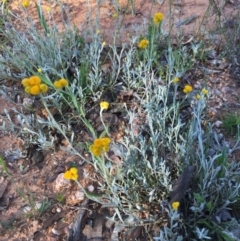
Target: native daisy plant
(148, 44)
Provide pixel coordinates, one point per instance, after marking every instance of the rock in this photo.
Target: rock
(218, 123)
(26, 209)
(58, 210)
(197, 85)
(55, 232)
(220, 136)
(75, 198)
(90, 188)
(217, 93)
(38, 205)
(61, 183)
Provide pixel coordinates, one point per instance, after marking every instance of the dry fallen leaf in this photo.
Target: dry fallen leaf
(133, 233)
(181, 185)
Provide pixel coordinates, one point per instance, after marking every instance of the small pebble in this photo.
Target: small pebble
(90, 188)
(197, 86)
(26, 209)
(220, 136)
(218, 123)
(38, 205)
(217, 93)
(61, 182)
(58, 210)
(54, 231)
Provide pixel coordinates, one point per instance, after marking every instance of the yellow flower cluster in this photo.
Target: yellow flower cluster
(158, 17)
(59, 84)
(204, 92)
(71, 174)
(100, 145)
(143, 44)
(34, 86)
(187, 89)
(25, 3)
(175, 205)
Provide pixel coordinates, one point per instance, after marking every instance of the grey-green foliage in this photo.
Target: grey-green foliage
(148, 175)
(214, 190)
(30, 46)
(154, 143)
(171, 232)
(216, 182)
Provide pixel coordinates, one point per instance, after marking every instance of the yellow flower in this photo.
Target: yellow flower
(187, 89)
(48, 9)
(175, 205)
(143, 44)
(100, 145)
(57, 84)
(35, 90)
(176, 80)
(27, 89)
(103, 143)
(25, 3)
(25, 82)
(104, 43)
(104, 105)
(115, 15)
(158, 17)
(204, 91)
(96, 151)
(63, 82)
(4, 1)
(43, 88)
(198, 97)
(71, 174)
(98, 31)
(34, 80)
(39, 70)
